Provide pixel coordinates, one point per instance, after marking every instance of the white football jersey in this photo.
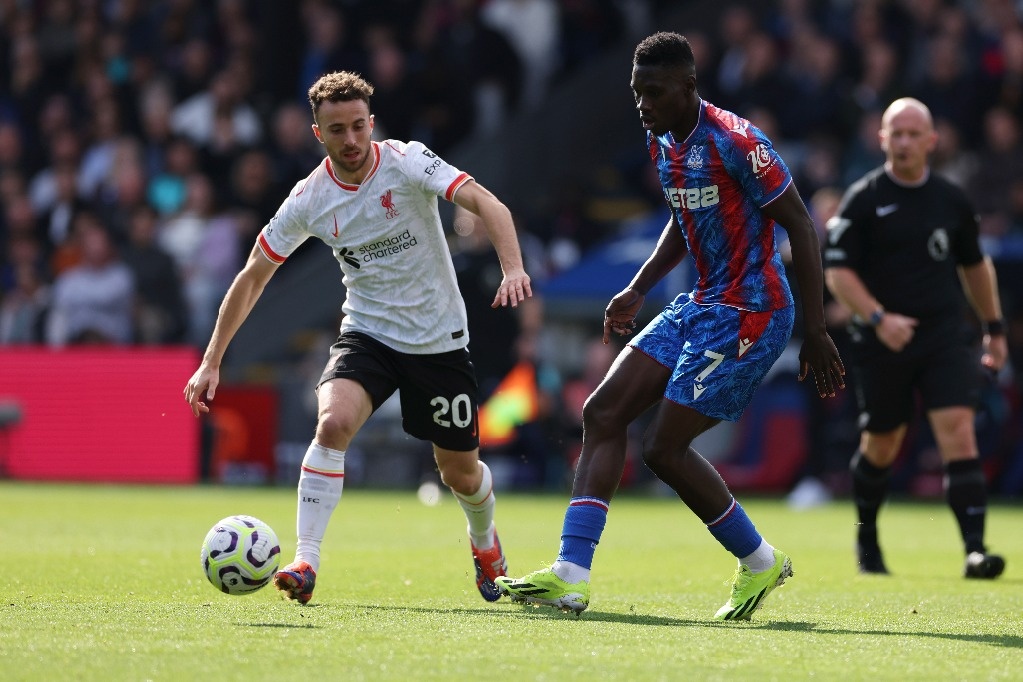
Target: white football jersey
(387, 236)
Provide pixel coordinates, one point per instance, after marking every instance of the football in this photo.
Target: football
(240, 554)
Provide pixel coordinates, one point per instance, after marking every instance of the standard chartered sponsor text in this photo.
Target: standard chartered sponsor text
(387, 247)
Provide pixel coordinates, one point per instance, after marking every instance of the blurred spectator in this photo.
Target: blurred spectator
(293, 147)
(588, 29)
(394, 93)
(863, 151)
(532, 27)
(815, 91)
(949, 158)
(254, 195)
(736, 29)
(218, 115)
(160, 312)
(948, 88)
(999, 166)
(203, 241)
(11, 148)
(328, 45)
(55, 223)
(481, 55)
(25, 296)
(93, 301)
(166, 190)
(879, 81)
(65, 151)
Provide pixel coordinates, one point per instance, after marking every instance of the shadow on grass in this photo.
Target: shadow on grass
(546, 613)
(1008, 641)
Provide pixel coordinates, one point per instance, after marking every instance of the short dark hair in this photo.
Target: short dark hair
(664, 49)
(339, 86)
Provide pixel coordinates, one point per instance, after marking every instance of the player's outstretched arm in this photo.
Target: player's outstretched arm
(237, 305)
(818, 353)
(515, 286)
(620, 314)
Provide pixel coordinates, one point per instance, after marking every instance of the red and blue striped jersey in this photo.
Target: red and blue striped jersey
(715, 182)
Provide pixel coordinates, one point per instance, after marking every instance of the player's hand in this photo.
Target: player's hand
(203, 382)
(819, 355)
(620, 314)
(514, 289)
(896, 331)
(996, 350)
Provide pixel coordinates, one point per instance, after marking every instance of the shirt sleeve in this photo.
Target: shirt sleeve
(287, 229)
(967, 236)
(756, 165)
(430, 172)
(845, 230)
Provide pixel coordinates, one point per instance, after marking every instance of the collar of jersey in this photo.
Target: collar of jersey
(668, 139)
(355, 188)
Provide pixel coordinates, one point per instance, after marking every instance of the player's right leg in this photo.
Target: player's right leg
(634, 383)
(344, 405)
(885, 401)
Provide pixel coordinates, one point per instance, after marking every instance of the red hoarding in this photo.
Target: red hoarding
(106, 414)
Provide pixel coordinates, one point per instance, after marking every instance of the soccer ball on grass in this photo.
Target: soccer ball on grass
(240, 554)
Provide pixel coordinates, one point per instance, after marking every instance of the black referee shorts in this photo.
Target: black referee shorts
(438, 392)
(940, 367)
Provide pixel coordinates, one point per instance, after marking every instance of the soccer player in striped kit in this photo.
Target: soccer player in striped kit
(701, 359)
(375, 205)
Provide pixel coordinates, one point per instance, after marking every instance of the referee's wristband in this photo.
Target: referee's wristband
(993, 328)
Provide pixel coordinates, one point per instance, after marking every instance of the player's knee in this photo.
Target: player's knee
(334, 431)
(460, 479)
(600, 412)
(880, 450)
(658, 453)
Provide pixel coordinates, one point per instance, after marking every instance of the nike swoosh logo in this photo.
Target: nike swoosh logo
(335, 226)
(882, 211)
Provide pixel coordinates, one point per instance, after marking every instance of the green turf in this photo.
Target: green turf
(104, 583)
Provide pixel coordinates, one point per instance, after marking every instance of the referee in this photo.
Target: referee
(900, 252)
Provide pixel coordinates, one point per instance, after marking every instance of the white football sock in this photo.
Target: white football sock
(319, 491)
(479, 510)
(761, 559)
(571, 573)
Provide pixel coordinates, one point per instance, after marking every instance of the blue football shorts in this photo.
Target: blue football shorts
(718, 354)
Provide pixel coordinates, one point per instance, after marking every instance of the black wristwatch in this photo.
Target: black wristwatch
(993, 327)
(876, 317)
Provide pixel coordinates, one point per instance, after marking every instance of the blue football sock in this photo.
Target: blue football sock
(584, 522)
(734, 530)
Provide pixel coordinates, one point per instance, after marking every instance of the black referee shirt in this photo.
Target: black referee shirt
(906, 242)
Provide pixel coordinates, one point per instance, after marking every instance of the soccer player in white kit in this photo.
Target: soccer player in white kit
(375, 205)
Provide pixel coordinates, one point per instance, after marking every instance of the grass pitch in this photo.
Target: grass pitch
(104, 583)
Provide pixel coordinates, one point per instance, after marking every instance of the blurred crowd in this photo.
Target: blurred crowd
(144, 143)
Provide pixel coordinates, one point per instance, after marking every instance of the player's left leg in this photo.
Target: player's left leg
(965, 487)
(950, 386)
(440, 403)
(472, 484)
(727, 354)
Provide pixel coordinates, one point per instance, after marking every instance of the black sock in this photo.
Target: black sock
(870, 486)
(966, 492)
